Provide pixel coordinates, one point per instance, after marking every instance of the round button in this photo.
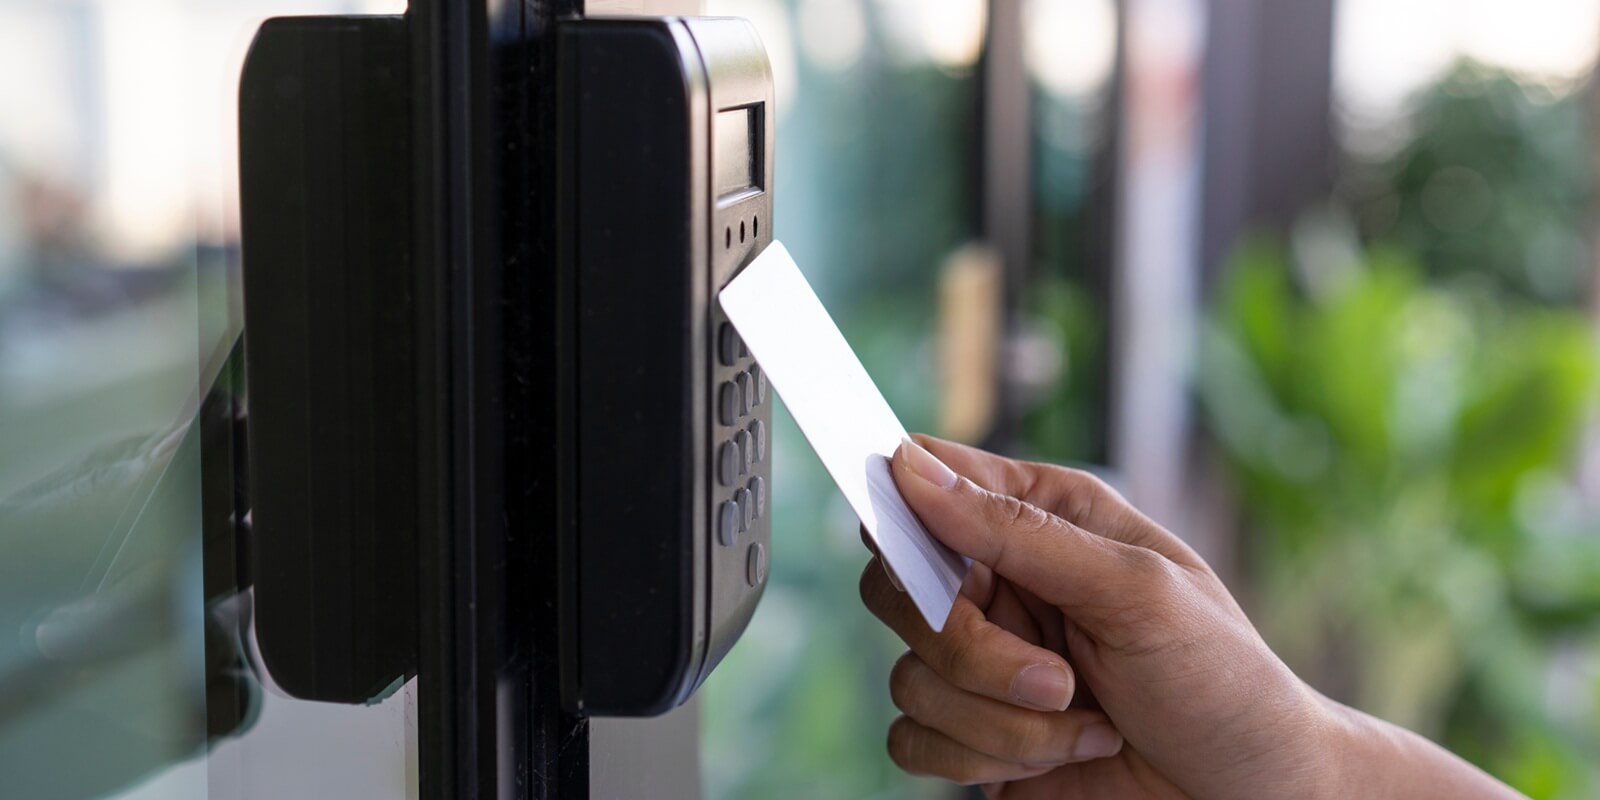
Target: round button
(728, 345)
(727, 463)
(761, 385)
(758, 434)
(747, 448)
(758, 496)
(755, 566)
(728, 522)
(728, 403)
(747, 392)
(747, 507)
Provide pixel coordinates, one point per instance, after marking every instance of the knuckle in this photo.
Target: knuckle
(1011, 514)
(1082, 494)
(1152, 571)
(1025, 738)
(903, 680)
(959, 654)
(967, 774)
(1091, 485)
(901, 745)
(1086, 499)
(1008, 510)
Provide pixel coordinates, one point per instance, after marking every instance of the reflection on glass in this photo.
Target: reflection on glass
(126, 661)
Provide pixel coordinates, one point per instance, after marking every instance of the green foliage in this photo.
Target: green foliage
(1401, 445)
(1495, 185)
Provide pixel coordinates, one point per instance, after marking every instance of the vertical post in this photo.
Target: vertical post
(1268, 86)
(1155, 299)
(1006, 178)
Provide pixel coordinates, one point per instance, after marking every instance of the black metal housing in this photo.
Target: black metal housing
(651, 601)
(325, 185)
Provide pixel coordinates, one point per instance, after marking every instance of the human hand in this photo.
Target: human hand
(1079, 612)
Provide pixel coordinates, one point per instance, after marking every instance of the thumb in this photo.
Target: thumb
(1054, 559)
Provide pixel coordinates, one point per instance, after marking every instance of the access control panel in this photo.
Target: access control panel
(665, 140)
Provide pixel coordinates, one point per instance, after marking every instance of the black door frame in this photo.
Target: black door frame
(489, 715)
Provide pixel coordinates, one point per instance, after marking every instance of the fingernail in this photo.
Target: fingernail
(927, 466)
(1098, 740)
(892, 579)
(1044, 686)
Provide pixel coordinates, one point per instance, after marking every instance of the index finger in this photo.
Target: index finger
(1074, 495)
(972, 652)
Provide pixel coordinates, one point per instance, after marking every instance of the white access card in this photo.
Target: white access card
(843, 415)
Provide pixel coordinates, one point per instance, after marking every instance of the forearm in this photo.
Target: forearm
(1379, 760)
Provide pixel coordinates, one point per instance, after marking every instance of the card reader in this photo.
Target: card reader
(665, 139)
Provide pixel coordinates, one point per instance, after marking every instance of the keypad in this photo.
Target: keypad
(728, 345)
(741, 445)
(728, 459)
(756, 564)
(728, 404)
(729, 517)
(758, 496)
(747, 509)
(747, 392)
(747, 451)
(758, 436)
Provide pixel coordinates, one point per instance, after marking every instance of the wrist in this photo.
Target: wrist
(1322, 747)
(1349, 746)
(1367, 757)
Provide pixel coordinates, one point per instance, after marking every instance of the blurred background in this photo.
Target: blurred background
(1313, 283)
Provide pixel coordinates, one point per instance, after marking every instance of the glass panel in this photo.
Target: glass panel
(127, 665)
(876, 132)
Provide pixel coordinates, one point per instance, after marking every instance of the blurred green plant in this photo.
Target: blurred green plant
(1403, 447)
(1493, 182)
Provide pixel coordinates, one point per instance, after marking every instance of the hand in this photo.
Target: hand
(1093, 654)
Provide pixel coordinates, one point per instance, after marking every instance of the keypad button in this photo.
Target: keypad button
(728, 518)
(761, 385)
(747, 509)
(728, 345)
(758, 435)
(728, 403)
(747, 392)
(758, 496)
(747, 448)
(727, 463)
(755, 566)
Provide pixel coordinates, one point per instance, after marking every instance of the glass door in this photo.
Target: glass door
(129, 665)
